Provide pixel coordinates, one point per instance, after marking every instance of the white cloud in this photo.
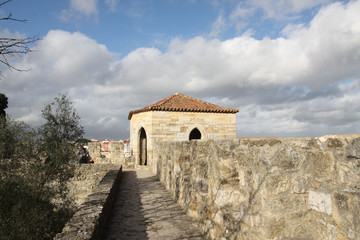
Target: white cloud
(312, 114)
(246, 11)
(30, 118)
(304, 83)
(269, 121)
(79, 8)
(218, 26)
(279, 9)
(67, 60)
(111, 4)
(242, 11)
(5, 33)
(86, 7)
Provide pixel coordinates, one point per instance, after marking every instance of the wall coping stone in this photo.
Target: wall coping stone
(91, 217)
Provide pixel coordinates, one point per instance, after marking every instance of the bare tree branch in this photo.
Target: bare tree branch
(5, 2)
(9, 17)
(12, 47)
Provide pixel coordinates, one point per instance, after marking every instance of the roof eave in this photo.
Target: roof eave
(227, 111)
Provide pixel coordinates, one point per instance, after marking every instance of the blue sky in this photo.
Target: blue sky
(291, 67)
(125, 25)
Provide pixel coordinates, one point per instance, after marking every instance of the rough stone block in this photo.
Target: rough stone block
(267, 188)
(320, 202)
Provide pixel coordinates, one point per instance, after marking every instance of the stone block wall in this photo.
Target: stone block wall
(115, 156)
(94, 149)
(117, 152)
(91, 216)
(86, 178)
(305, 188)
(176, 126)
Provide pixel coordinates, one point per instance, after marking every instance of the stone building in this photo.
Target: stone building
(178, 118)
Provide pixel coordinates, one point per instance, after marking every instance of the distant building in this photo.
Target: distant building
(177, 118)
(127, 148)
(105, 146)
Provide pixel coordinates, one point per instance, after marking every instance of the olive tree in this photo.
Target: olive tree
(35, 166)
(57, 137)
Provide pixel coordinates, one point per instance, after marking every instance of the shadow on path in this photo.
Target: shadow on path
(145, 210)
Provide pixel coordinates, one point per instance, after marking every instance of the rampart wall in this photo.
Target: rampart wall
(86, 178)
(94, 189)
(305, 188)
(115, 156)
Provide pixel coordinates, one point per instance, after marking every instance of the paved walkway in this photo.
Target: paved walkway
(145, 210)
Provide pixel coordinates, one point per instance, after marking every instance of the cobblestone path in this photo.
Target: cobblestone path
(145, 210)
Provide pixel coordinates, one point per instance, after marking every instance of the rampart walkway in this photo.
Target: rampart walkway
(145, 210)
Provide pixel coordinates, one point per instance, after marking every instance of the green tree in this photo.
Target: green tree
(35, 166)
(27, 210)
(17, 141)
(62, 121)
(58, 135)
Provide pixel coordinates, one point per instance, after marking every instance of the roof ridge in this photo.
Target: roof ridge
(169, 98)
(159, 103)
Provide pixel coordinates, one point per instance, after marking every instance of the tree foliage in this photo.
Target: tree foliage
(60, 130)
(62, 121)
(35, 166)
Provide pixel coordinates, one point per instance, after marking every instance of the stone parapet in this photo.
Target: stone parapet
(86, 178)
(91, 217)
(94, 149)
(276, 188)
(116, 155)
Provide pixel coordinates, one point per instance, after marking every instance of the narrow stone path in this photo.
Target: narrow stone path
(145, 210)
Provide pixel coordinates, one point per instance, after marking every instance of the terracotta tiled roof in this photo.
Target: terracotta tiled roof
(182, 103)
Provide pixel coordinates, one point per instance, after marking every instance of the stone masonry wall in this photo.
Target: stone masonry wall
(116, 156)
(86, 178)
(91, 216)
(305, 188)
(176, 126)
(94, 149)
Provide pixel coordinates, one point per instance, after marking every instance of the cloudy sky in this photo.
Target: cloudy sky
(291, 67)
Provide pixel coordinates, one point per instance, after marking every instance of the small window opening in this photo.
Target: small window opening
(195, 134)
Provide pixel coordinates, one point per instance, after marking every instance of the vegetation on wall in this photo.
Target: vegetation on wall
(83, 141)
(35, 166)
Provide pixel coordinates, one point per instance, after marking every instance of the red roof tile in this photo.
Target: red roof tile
(182, 103)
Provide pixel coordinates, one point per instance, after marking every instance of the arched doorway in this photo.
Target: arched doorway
(195, 134)
(143, 147)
